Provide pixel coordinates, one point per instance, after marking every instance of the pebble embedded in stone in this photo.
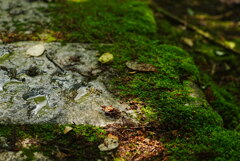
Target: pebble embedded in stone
(36, 50)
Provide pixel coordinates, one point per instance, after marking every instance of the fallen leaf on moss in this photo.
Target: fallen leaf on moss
(142, 67)
(220, 53)
(106, 58)
(230, 44)
(188, 42)
(132, 72)
(67, 129)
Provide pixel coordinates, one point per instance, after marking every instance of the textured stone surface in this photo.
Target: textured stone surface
(64, 85)
(22, 15)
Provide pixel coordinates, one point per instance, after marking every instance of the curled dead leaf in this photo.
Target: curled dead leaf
(111, 111)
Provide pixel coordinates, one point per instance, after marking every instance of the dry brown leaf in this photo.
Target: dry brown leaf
(111, 111)
(132, 72)
(112, 136)
(142, 67)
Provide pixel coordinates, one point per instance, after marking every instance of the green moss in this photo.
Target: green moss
(29, 153)
(4, 57)
(208, 144)
(223, 102)
(98, 21)
(130, 26)
(81, 143)
(91, 133)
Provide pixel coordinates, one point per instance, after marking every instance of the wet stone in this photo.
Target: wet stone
(61, 86)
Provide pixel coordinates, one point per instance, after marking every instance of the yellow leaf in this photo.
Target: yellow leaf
(230, 44)
(188, 42)
(67, 129)
(106, 58)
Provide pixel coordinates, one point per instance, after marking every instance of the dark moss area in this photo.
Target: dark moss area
(222, 83)
(189, 131)
(81, 143)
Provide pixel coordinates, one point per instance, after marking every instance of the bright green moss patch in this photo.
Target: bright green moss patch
(164, 91)
(98, 21)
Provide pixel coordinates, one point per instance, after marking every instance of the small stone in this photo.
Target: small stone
(36, 50)
(106, 58)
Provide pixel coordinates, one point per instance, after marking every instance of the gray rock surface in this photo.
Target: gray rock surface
(64, 85)
(22, 15)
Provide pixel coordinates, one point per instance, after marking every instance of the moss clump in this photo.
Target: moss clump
(191, 130)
